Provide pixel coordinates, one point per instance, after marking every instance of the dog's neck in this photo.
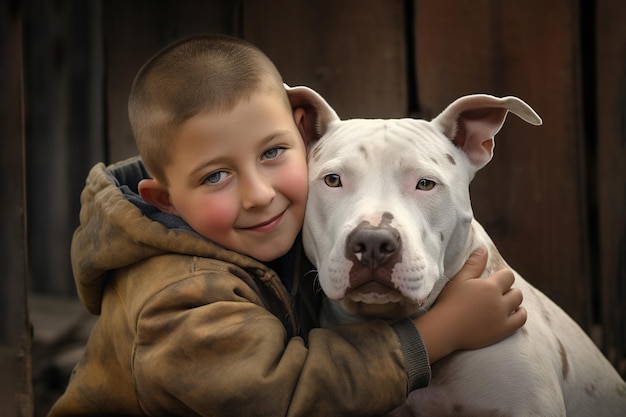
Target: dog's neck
(480, 238)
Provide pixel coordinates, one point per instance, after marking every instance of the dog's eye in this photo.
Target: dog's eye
(425, 185)
(332, 180)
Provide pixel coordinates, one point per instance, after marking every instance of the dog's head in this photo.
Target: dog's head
(388, 219)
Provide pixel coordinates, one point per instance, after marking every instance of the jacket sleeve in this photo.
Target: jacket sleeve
(415, 355)
(207, 345)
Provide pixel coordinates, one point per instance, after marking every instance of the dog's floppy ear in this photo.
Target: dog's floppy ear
(317, 112)
(472, 121)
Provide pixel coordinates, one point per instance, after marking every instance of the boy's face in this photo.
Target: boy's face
(239, 178)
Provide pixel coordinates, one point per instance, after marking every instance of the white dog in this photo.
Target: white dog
(389, 221)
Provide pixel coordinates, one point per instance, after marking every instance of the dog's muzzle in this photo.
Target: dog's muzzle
(373, 251)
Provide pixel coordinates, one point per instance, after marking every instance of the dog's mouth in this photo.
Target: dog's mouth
(374, 292)
(382, 303)
(376, 299)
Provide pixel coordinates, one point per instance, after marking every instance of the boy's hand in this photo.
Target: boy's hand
(471, 313)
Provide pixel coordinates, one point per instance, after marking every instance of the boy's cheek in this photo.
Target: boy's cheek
(299, 186)
(214, 221)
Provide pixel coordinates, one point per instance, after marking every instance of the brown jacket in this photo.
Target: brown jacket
(187, 327)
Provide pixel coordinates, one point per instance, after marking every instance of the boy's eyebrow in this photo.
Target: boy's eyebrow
(263, 142)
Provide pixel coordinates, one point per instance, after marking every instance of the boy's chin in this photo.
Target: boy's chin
(274, 251)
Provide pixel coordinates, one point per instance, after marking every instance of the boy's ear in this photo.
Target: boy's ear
(154, 193)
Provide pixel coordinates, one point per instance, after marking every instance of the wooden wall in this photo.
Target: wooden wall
(15, 333)
(553, 198)
(609, 176)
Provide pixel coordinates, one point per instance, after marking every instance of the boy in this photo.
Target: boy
(193, 318)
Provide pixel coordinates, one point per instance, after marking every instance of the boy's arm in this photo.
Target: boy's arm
(470, 312)
(209, 344)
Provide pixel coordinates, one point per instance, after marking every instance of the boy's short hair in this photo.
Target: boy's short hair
(192, 75)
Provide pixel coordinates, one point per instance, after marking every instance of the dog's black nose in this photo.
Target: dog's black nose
(373, 246)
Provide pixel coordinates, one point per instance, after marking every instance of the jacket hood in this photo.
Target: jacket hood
(118, 229)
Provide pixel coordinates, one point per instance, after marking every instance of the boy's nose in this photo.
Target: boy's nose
(256, 191)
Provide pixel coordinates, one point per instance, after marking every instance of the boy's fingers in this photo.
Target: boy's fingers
(513, 298)
(518, 318)
(474, 266)
(504, 279)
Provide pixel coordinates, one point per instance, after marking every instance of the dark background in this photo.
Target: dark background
(553, 198)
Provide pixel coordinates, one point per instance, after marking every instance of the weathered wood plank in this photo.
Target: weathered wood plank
(352, 52)
(611, 174)
(16, 397)
(531, 197)
(64, 129)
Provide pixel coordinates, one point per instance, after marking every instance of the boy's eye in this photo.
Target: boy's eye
(333, 180)
(273, 153)
(425, 184)
(216, 177)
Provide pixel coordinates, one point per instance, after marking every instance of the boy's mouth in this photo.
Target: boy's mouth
(266, 225)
